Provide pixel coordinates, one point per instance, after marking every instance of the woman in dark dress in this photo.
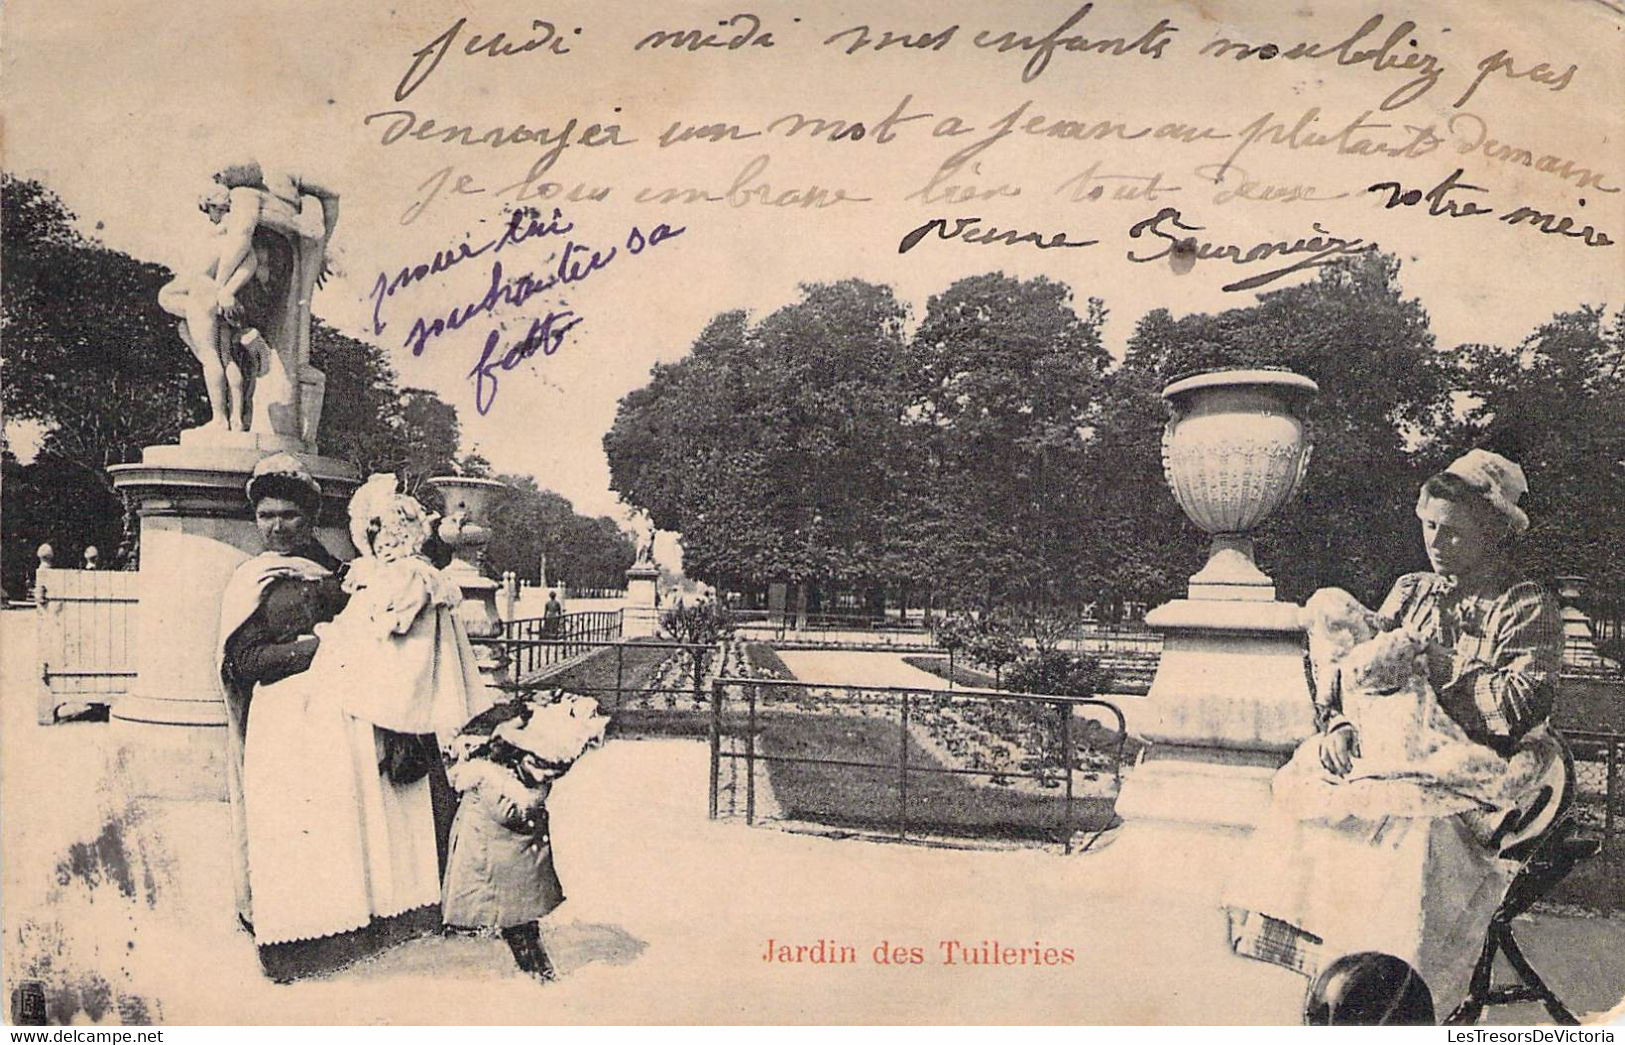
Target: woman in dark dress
(270, 614)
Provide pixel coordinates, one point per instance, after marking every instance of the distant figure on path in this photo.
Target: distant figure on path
(552, 616)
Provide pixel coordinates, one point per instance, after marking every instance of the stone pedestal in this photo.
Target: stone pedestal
(1230, 704)
(196, 527)
(641, 617)
(1579, 638)
(465, 528)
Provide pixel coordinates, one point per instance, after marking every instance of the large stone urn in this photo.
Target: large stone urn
(1234, 451)
(465, 529)
(1230, 701)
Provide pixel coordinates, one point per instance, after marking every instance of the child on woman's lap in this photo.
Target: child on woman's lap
(1409, 756)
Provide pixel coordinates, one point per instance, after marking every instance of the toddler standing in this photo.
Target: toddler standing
(499, 871)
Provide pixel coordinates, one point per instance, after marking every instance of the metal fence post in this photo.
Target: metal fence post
(902, 772)
(1608, 793)
(750, 756)
(1067, 762)
(716, 743)
(620, 699)
(699, 680)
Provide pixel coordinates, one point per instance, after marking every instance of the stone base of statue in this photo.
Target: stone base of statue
(196, 527)
(640, 618)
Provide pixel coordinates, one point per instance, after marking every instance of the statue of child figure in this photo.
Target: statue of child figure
(217, 315)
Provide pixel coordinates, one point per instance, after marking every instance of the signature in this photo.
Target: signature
(1184, 251)
(968, 230)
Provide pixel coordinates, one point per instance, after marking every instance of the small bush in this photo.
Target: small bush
(1058, 672)
(705, 623)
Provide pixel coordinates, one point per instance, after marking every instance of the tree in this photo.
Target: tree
(1004, 379)
(1556, 403)
(530, 522)
(1137, 543)
(89, 356)
(769, 446)
(369, 421)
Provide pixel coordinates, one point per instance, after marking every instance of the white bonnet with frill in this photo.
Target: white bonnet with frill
(387, 524)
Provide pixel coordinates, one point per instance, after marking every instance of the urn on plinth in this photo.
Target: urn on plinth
(1235, 449)
(1229, 701)
(465, 529)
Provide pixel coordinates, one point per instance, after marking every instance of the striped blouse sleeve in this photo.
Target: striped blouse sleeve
(1509, 686)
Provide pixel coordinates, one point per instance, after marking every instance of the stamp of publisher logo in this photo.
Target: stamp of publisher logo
(28, 1004)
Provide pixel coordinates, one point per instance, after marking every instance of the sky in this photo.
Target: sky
(126, 111)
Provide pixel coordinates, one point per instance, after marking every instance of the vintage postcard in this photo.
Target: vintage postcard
(1046, 512)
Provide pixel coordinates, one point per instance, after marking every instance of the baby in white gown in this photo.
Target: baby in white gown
(1411, 758)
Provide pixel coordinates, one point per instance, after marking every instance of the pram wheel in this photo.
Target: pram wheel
(1369, 989)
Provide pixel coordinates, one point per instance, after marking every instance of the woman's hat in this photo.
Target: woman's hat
(1500, 480)
(281, 475)
(557, 733)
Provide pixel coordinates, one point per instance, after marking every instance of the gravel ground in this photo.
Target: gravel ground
(124, 910)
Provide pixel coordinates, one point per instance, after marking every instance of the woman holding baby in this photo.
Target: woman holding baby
(342, 693)
(1391, 827)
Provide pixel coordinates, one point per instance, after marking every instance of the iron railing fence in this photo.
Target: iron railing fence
(1597, 758)
(936, 734)
(596, 593)
(672, 679)
(535, 643)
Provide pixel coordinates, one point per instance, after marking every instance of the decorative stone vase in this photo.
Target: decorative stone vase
(464, 528)
(1235, 449)
(468, 504)
(1229, 702)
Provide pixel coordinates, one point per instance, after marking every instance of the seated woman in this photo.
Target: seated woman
(1409, 757)
(336, 780)
(1388, 826)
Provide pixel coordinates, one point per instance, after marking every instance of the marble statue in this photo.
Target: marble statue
(246, 314)
(646, 551)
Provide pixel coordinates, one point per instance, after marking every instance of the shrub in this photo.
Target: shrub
(993, 643)
(1058, 672)
(705, 623)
